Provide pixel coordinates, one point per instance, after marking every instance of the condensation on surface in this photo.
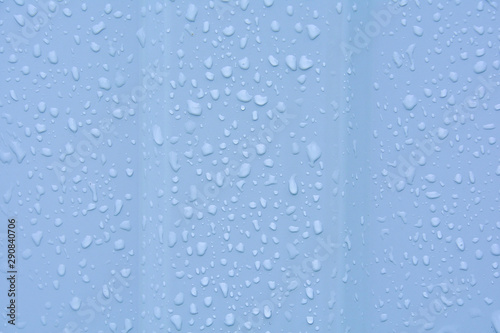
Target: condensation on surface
(252, 166)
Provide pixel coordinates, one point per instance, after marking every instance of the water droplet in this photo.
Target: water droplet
(87, 240)
(52, 56)
(37, 237)
(229, 319)
(460, 243)
(409, 102)
(61, 270)
(97, 28)
(418, 31)
(442, 133)
(292, 185)
(318, 227)
(228, 31)
(227, 71)
(480, 67)
(244, 171)
(432, 194)
(273, 61)
(192, 12)
(157, 135)
(201, 248)
(244, 96)
(141, 36)
(495, 249)
(435, 221)
(75, 303)
(313, 31)
(305, 63)
(260, 100)
(244, 63)
(291, 62)
(313, 152)
(104, 83)
(194, 108)
(119, 244)
(495, 319)
(177, 321)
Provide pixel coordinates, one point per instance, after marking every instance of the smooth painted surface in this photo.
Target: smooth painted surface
(251, 166)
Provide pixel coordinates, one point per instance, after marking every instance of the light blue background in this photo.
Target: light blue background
(251, 166)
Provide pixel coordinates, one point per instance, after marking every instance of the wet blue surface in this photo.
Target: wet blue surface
(251, 166)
